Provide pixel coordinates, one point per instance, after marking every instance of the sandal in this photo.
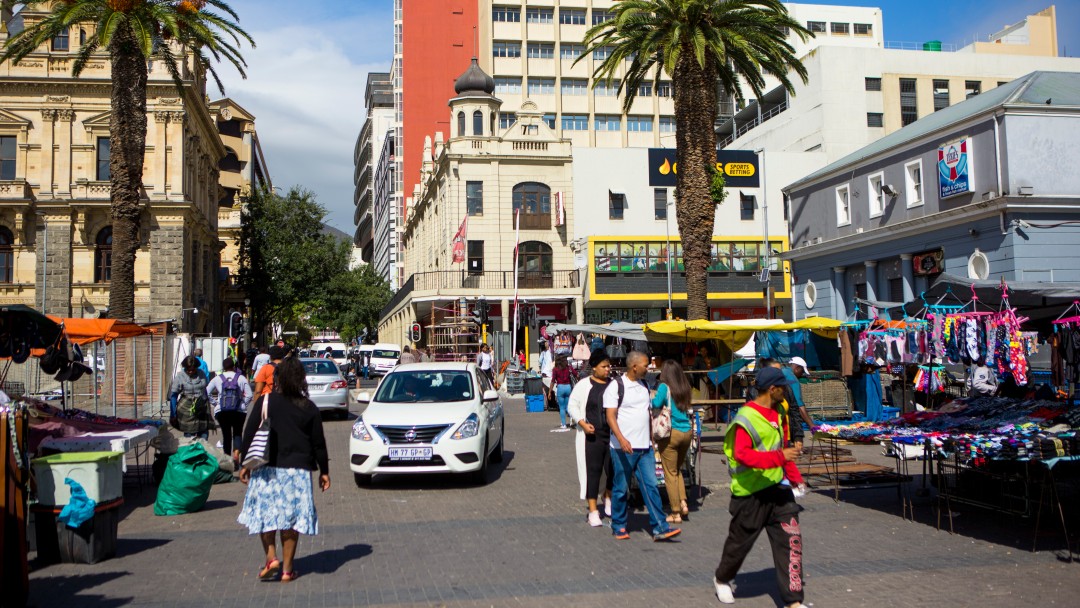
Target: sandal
(674, 518)
(685, 509)
(270, 570)
(288, 577)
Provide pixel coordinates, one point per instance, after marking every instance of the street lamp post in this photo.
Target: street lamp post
(765, 227)
(247, 325)
(667, 228)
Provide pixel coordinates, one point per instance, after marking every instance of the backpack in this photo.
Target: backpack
(231, 399)
(622, 387)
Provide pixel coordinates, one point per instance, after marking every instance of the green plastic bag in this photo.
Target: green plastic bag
(187, 481)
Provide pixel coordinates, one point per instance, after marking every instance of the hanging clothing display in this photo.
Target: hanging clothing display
(15, 474)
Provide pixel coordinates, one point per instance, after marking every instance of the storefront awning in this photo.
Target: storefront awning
(626, 331)
(735, 334)
(86, 331)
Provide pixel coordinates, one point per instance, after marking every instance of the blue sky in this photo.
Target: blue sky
(306, 77)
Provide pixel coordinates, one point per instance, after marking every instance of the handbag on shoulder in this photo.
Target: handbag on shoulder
(256, 456)
(661, 423)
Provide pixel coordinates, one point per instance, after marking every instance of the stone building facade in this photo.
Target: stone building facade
(55, 234)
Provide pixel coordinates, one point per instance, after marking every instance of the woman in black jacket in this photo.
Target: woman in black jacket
(279, 495)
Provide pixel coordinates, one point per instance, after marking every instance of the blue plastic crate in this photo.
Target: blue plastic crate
(890, 412)
(534, 403)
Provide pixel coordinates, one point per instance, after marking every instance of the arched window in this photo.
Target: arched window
(230, 162)
(461, 124)
(478, 123)
(103, 256)
(7, 255)
(534, 201)
(534, 265)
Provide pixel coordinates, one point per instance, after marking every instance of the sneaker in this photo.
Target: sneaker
(594, 519)
(724, 592)
(220, 445)
(622, 534)
(607, 506)
(667, 534)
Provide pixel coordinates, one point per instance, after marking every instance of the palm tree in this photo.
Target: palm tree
(133, 32)
(700, 44)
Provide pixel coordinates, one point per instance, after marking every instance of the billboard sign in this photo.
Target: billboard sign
(740, 167)
(954, 169)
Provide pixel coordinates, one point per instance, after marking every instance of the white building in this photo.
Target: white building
(386, 227)
(379, 101)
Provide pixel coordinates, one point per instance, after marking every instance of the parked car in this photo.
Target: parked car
(327, 388)
(338, 351)
(384, 356)
(428, 418)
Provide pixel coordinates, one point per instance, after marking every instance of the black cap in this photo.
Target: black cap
(276, 352)
(771, 376)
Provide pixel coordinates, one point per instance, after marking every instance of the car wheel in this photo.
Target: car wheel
(497, 454)
(362, 480)
(480, 476)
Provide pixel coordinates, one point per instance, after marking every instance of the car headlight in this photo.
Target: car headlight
(360, 431)
(468, 429)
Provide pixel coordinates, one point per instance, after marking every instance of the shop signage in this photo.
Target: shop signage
(954, 168)
(740, 167)
(560, 210)
(929, 262)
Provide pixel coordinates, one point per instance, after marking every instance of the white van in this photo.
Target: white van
(338, 351)
(384, 356)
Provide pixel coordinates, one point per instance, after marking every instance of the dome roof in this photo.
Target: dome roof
(474, 80)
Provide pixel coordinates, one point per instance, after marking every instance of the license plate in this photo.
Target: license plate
(410, 453)
(316, 387)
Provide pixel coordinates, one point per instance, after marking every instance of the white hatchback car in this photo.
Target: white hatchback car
(428, 418)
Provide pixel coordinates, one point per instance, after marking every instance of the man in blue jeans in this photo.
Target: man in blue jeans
(627, 404)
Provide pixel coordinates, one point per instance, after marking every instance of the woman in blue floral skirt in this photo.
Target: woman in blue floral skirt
(279, 495)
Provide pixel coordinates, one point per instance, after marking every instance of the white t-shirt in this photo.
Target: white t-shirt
(260, 360)
(634, 416)
(485, 361)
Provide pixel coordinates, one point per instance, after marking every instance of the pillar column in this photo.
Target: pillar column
(161, 147)
(871, 280)
(907, 271)
(505, 309)
(48, 153)
(579, 310)
(64, 156)
(839, 309)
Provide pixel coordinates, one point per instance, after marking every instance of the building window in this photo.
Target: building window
(601, 53)
(541, 86)
(616, 205)
(506, 14)
(541, 50)
(540, 15)
(787, 207)
(660, 203)
(909, 107)
(508, 84)
(461, 124)
(810, 294)
(875, 119)
(534, 265)
(549, 120)
(574, 86)
(816, 27)
(843, 206)
(506, 49)
(103, 256)
(604, 88)
(841, 29)
(474, 259)
(663, 88)
(913, 183)
(7, 255)
(571, 51)
(575, 122)
(877, 198)
(608, 122)
(103, 174)
(600, 16)
(941, 94)
(474, 198)
(873, 84)
(641, 124)
(7, 157)
(645, 89)
(860, 291)
(864, 29)
(506, 119)
(534, 201)
(667, 124)
(747, 203)
(572, 16)
(478, 123)
(61, 42)
(896, 290)
(972, 88)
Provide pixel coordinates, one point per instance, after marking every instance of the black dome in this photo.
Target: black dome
(474, 80)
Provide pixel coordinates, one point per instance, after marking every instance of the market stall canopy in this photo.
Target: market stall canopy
(626, 331)
(1038, 300)
(86, 331)
(734, 334)
(27, 331)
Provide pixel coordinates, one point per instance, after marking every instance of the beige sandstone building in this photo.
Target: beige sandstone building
(55, 234)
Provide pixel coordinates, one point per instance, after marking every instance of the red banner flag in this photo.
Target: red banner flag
(457, 246)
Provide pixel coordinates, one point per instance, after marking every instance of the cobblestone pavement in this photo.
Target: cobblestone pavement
(522, 541)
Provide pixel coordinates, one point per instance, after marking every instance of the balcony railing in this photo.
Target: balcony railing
(456, 280)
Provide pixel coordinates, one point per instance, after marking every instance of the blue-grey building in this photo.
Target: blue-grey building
(988, 188)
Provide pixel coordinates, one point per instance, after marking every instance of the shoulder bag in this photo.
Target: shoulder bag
(661, 423)
(256, 456)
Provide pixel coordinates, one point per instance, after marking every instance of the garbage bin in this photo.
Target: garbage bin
(101, 474)
(90, 543)
(534, 385)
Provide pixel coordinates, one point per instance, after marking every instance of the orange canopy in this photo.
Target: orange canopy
(85, 331)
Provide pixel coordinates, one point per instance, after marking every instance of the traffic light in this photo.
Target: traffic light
(414, 332)
(236, 326)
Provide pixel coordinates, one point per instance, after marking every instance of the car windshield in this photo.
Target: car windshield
(385, 354)
(320, 368)
(425, 387)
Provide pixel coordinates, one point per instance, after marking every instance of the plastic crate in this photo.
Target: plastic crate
(534, 403)
(101, 474)
(90, 543)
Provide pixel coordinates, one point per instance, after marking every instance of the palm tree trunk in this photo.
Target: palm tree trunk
(695, 113)
(127, 133)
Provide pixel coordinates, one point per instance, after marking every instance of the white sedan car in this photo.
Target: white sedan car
(428, 418)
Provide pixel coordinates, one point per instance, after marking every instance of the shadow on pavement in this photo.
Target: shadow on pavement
(66, 590)
(757, 584)
(440, 481)
(327, 562)
(213, 505)
(131, 546)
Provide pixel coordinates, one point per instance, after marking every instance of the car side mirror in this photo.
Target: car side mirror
(364, 397)
(491, 395)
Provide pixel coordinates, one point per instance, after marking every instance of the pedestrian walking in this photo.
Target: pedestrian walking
(674, 393)
(761, 499)
(188, 401)
(486, 361)
(279, 496)
(259, 360)
(562, 382)
(264, 379)
(407, 356)
(230, 395)
(627, 406)
(203, 367)
(592, 444)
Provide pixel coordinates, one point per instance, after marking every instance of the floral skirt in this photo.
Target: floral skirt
(279, 499)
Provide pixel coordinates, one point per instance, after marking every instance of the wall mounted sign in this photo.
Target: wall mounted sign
(740, 167)
(929, 262)
(954, 168)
